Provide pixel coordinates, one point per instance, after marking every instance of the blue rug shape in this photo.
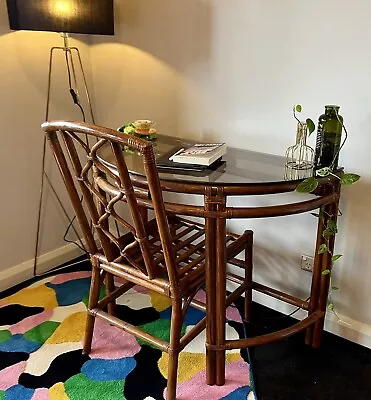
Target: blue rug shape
(238, 394)
(19, 392)
(19, 344)
(192, 317)
(108, 370)
(70, 292)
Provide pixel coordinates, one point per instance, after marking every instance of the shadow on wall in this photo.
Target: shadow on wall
(276, 263)
(141, 71)
(4, 22)
(178, 33)
(280, 269)
(281, 266)
(354, 242)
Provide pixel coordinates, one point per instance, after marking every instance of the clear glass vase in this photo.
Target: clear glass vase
(299, 158)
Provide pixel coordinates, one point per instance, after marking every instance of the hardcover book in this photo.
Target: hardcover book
(200, 154)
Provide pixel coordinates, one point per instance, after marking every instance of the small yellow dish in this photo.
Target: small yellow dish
(143, 126)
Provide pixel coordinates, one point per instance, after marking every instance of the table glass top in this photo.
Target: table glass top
(239, 166)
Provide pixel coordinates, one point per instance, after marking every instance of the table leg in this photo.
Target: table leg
(220, 299)
(330, 213)
(316, 277)
(210, 230)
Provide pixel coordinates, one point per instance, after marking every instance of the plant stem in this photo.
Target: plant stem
(294, 113)
(345, 139)
(335, 175)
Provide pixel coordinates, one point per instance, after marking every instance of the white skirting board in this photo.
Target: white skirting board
(21, 272)
(340, 325)
(343, 326)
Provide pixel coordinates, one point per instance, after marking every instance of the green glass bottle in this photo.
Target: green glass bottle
(330, 125)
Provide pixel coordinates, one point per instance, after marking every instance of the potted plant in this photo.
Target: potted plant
(310, 184)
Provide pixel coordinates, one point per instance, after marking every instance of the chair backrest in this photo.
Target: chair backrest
(102, 188)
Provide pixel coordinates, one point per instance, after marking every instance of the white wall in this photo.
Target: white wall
(23, 86)
(231, 71)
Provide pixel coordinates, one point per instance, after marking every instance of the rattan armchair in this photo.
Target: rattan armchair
(165, 254)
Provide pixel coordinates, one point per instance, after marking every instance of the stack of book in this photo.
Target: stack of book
(200, 154)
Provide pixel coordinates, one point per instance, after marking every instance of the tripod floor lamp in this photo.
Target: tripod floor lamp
(92, 17)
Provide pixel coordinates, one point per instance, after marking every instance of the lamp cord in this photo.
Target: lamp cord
(76, 101)
(286, 315)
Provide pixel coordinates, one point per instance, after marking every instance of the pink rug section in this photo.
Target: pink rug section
(70, 276)
(112, 343)
(140, 289)
(9, 376)
(237, 375)
(232, 312)
(30, 322)
(41, 394)
(119, 280)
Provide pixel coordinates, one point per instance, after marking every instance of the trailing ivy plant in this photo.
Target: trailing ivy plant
(310, 184)
(310, 124)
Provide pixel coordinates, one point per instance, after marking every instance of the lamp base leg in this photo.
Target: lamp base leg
(70, 54)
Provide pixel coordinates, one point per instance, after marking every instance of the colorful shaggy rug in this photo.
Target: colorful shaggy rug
(41, 332)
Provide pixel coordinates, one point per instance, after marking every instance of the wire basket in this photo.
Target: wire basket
(299, 158)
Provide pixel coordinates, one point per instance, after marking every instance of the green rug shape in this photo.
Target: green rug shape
(160, 329)
(42, 332)
(4, 336)
(79, 387)
(102, 294)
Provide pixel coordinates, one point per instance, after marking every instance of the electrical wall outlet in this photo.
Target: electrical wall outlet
(307, 263)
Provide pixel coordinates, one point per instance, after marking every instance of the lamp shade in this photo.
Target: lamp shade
(68, 16)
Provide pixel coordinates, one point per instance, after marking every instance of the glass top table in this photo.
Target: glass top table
(239, 167)
(244, 172)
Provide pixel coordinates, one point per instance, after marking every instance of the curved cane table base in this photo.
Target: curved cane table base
(270, 337)
(215, 212)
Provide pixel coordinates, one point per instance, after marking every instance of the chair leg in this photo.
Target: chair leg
(110, 287)
(175, 330)
(248, 277)
(93, 300)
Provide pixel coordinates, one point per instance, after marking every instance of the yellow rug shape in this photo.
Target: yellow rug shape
(40, 296)
(72, 329)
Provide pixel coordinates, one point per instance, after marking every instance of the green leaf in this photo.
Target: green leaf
(322, 249)
(327, 233)
(324, 172)
(349, 179)
(326, 272)
(336, 257)
(334, 288)
(310, 125)
(331, 224)
(129, 130)
(307, 186)
(298, 108)
(331, 307)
